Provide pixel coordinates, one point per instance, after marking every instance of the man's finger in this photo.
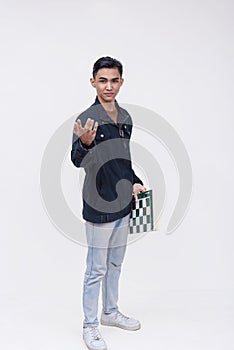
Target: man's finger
(136, 197)
(95, 128)
(89, 124)
(78, 123)
(76, 129)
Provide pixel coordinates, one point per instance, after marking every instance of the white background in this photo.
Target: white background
(178, 61)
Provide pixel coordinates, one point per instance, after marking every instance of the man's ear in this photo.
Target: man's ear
(93, 83)
(122, 81)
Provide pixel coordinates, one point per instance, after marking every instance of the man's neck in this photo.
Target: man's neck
(111, 110)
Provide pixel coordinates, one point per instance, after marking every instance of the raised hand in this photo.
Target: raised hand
(88, 132)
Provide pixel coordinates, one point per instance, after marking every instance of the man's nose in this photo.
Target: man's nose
(108, 85)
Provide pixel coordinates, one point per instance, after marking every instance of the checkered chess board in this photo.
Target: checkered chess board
(141, 219)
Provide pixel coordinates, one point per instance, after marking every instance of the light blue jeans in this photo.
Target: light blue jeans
(106, 250)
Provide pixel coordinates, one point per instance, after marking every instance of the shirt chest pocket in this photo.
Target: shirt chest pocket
(108, 132)
(126, 131)
(102, 134)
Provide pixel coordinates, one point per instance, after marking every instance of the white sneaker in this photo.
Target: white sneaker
(93, 339)
(116, 319)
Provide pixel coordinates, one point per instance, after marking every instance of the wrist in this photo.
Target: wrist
(85, 145)
(85, 142)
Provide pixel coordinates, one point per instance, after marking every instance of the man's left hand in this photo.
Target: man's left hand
(137, 188)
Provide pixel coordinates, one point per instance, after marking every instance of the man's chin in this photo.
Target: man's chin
(108, 98)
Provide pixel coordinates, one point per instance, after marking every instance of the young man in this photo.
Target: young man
(101, 146)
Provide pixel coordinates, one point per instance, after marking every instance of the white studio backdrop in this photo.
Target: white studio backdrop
(177, 58)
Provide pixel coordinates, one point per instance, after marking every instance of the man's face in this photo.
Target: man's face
(107, 84)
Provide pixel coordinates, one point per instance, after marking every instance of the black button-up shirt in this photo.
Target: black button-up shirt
(107, 190)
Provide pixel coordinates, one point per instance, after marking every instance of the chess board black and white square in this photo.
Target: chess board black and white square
(141, 218)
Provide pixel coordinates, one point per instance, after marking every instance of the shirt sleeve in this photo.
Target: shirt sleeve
(136, 179)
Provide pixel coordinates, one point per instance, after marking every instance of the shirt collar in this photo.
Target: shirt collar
(122, 116)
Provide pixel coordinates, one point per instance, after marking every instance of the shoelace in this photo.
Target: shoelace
(95, 334)
(120, 316)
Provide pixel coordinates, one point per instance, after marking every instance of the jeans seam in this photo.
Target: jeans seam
(91, 268)
(106, 275)
(91, 265)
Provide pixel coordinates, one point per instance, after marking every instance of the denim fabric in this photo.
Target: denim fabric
(106, 250)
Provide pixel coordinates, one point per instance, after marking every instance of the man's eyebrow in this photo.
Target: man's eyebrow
(107, 79)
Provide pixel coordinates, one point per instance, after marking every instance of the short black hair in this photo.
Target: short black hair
(107, 62)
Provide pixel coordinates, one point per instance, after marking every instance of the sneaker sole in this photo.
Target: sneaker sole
(135, 328)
